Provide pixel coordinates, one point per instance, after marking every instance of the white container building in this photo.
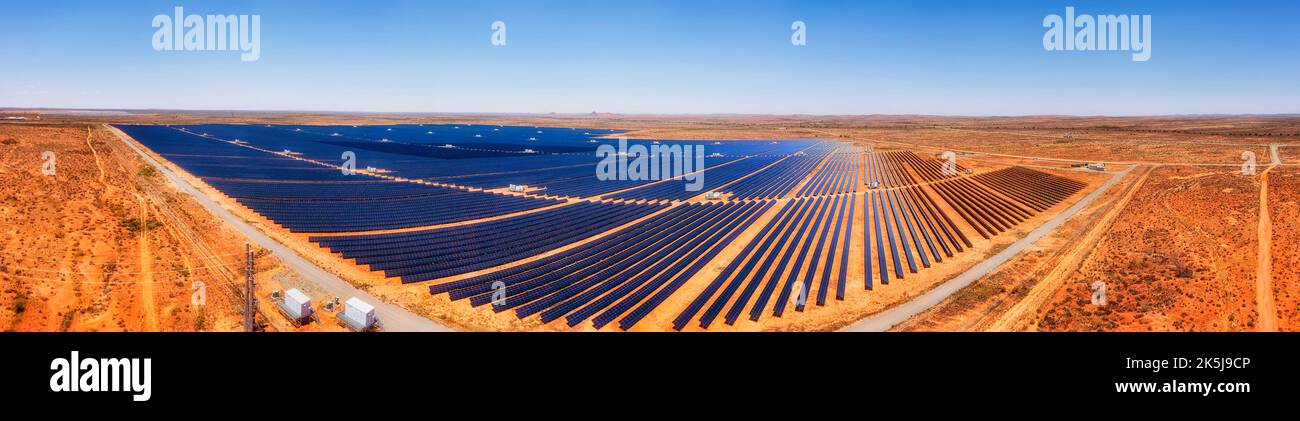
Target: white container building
(359, 314)
(297, 304)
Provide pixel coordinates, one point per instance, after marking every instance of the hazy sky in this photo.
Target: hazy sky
(655, 56)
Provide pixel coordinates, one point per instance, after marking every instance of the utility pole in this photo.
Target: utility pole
(249, 301)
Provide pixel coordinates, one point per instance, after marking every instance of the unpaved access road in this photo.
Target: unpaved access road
(1264, 266)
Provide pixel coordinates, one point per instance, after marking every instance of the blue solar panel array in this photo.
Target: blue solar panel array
(778, 266)
(713, 177)
(286, 174)
(390, 213)
(622, 276)
(303, 196)
(340, 191)
(839, 174)
(779, 178)
(431, 254)
(482, 156)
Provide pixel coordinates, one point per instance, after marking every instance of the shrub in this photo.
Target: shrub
(67, 321)
(20, 304)
(135, 225)
(200, 320)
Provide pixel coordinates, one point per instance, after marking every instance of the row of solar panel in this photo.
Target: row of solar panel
(525, 177)
(912, 224)
(687, 187)
(765, 259)
(325, 200)
(624, 274)
(779, 178)
(432, 254)
(587, 186)
(400, 255)
(1037, 189)
(886, 170)
(838, 175)
(931, 169)
(480, 156)
(383, 214)
(336, 191)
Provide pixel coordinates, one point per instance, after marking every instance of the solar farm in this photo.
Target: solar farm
(499, 227)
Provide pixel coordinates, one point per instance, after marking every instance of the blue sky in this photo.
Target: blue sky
(862, 57)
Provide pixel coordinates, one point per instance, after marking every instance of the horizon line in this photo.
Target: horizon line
(644, 114)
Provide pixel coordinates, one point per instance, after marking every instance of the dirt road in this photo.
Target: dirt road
(1264, 266)
(99, 164)
(146, 270)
